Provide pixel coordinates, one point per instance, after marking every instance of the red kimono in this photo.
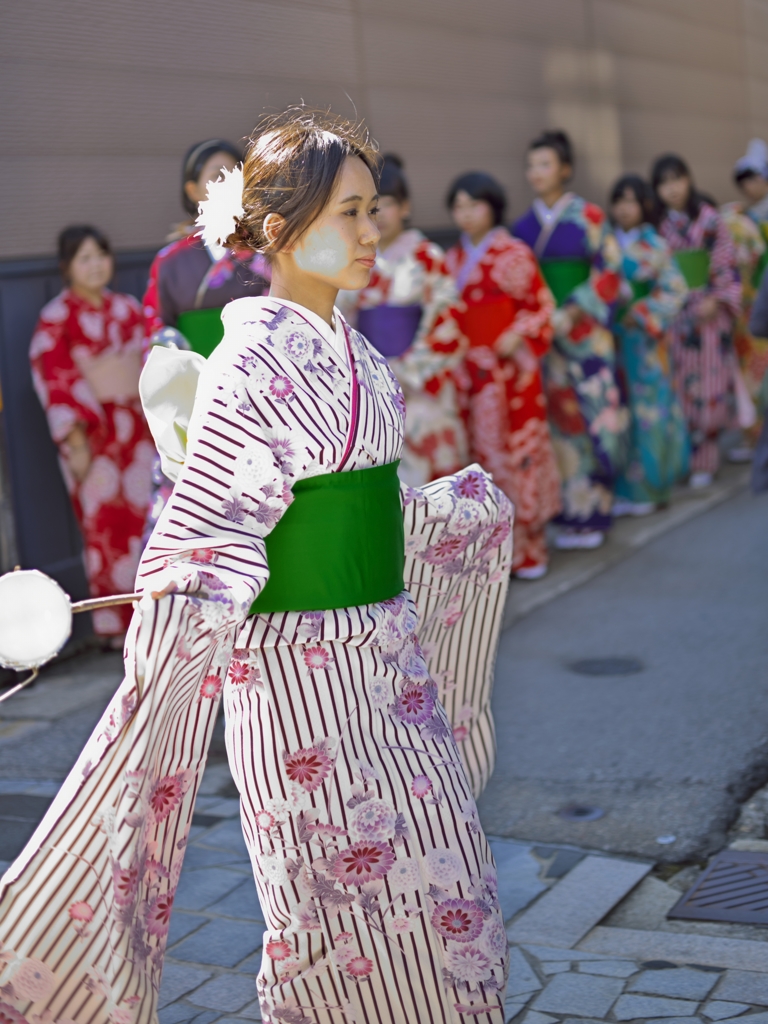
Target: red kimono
(85, 367)
(505, 295)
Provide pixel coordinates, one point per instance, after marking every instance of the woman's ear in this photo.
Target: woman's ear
(273, 224)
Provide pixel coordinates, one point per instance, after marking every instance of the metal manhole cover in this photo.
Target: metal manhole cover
(606, 666)
(733, 888)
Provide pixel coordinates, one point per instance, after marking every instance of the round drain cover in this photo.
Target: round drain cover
(580, 812)
(606, 666)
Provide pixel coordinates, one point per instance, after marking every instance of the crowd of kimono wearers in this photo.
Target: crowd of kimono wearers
(590, 361)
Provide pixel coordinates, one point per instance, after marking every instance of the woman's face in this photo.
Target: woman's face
(91, 269)
(626, 211)
(472, 216)
(339, 248)
(755, 187)
(391, 217)
(675, 192)
(211, 170)
(545, 172)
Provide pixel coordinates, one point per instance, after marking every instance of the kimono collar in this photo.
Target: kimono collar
(627, 238)
(474, 253)
(336, 339)
(549, 217)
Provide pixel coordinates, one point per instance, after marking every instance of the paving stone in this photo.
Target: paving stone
(522, 977)
(251, 1012)
(745, 986)
(182, 925)
(636, 1007)
(518, 874)
(610, 968)
(252, 965)
(740, 954)
(719, 1010)
(221, 942)
(198, 889)
(558, 967)
(226, 836)
(582, 1020)
(564, 915)
(228, 993)
(534, 1017)
(756, 1018)
(552, 953)
(242, 902)
(178, 979)
(562, 860)
(675, 1020)
(585, 994)
(681, 982)
(512, 1007)
(206, 857)
(176, 1013)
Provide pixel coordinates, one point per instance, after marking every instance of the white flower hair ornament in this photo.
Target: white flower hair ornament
(223, 206)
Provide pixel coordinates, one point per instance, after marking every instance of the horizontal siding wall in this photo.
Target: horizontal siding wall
(101, 100)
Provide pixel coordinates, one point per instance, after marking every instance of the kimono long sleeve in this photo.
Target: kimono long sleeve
(724, 280)
(63, 391)
(597, 295)
(517, 274)
(231, 492)
(439, 343)
(655, 313)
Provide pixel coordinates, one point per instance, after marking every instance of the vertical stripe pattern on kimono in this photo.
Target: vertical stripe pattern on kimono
(659, 447)
(504, 297)
(85, 368)
(586, 416)
(703, 351)
(749, 231)
(412, 273)
(377, 882)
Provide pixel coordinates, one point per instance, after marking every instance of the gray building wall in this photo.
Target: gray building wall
(101, 99)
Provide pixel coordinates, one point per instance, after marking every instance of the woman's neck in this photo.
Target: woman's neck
(552, 195)
(94, 298)
(477, 238)
(316, 296)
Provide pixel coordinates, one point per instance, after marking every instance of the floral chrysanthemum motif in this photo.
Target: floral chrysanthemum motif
(307, 767)
(401, 925)
(443, 867)
(210, 687)
(273, 866)
(468, 964)
(460, 733)
(264, 820)
(471, 485)
(316, 658)
(494, 938)
(404, 876)
(380, 691)
(81, 912)
(238, 672)
(224, 202)
(459, 920)
(344, 937)
(277, 949)
(165, 795)
(281, 387)
(445, 549)
(159, 914)
(359, 967)
(363, 862)
(125, 882)
(414, 705)
(373, 819)
(33, 980)
(421, 786)
(466, 515)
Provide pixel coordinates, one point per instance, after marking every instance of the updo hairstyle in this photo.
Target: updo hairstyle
(392, 181)
(558, 141)
(292, 163)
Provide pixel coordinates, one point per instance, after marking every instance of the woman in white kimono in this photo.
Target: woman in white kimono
(376, 880)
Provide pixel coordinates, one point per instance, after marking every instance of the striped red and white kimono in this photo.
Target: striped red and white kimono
(376, 880)
(703, 351)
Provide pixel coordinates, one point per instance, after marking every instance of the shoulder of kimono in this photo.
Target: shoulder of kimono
(588, 211)
(180, 245)
(650, 238)
(429, 253)
(528, 219)
(50, 310)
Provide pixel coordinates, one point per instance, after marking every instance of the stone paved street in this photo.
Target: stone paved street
(590, 939)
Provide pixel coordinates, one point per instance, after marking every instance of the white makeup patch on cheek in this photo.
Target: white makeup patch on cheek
(323, 251)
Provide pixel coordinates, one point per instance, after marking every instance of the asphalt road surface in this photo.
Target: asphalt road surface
(667, 751)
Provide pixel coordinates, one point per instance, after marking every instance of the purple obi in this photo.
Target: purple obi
(390, 329)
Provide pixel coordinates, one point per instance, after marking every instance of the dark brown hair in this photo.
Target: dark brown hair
(555, 140)
(292, 163)
(70, 240)
(640, 189)
(480, 185)
(673, 166)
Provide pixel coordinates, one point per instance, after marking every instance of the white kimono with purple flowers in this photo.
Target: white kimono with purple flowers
(376, 880)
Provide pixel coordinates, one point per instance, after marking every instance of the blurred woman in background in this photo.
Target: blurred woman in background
(190, 283)
(408, 312)
(506, 317)
(656, 290)
(86, 361)
(581, 263)
(702, 333)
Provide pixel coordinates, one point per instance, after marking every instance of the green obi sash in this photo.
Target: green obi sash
(202, 328)
(694, 266)
(564, 276)
(640, 290)
(340, 543)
